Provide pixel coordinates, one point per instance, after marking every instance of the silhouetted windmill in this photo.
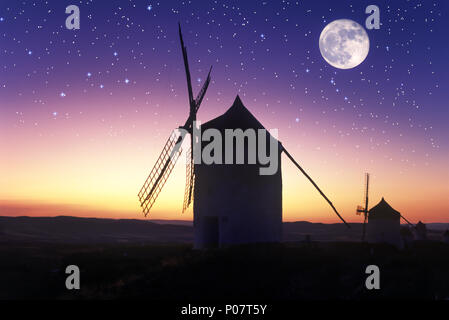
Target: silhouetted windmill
(381, 217)
(172, 149)
(313, 183)
(233, 203)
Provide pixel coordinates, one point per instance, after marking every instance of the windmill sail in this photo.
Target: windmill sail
(200, 96)
(186, 65)
(365, 211)
(172, 149)
(189, 181)
(161, 171)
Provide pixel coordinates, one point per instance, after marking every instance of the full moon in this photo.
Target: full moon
(344, 44)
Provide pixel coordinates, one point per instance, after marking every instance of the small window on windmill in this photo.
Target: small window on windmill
(224, 218)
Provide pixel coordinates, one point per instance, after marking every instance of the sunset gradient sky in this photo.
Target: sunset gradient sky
(84, 114)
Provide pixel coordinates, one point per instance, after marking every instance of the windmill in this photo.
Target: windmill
(172, 149)
(369, 213)
(220, 217)
(365, 210)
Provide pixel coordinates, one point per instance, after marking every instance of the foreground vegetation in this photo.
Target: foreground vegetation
(265, 272)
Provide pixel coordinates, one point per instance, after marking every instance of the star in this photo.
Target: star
(126, 81)
(149, 7)
(62, 94)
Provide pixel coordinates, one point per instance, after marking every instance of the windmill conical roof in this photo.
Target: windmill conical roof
(383, 210)
(237, 116)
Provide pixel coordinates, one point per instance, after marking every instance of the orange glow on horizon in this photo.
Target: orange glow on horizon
(98, 170)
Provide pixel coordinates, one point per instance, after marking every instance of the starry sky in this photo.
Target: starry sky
(84, 113)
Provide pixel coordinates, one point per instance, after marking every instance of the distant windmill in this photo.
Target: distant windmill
(172, 149)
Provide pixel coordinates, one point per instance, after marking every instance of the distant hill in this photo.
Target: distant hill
(438, 226)
(85, 230)
(175, 222)
(95, 230)
(297, 231)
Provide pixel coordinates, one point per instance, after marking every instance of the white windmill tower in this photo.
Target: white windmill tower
(445, 236)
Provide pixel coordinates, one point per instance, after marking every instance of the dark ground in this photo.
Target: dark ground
(334, 270)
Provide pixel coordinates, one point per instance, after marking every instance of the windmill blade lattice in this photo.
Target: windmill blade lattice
(160, 172)
(190, 180)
